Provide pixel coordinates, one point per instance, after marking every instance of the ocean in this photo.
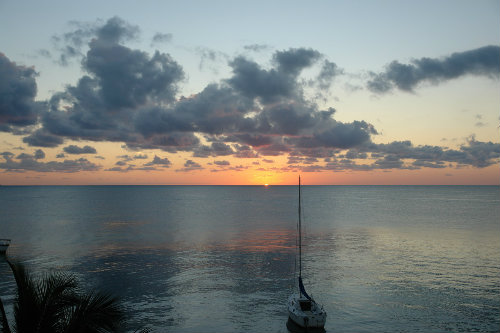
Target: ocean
(224, 258)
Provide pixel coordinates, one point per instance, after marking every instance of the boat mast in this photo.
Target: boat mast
(300, 237)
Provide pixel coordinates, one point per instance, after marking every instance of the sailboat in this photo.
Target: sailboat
(303, 311)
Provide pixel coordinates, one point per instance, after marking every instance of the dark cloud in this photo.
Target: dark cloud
(222, 163)
(214, 150)
(125, 158)
(480, 154)
(129, 78)
(254, 82)
(70, 45)
(484, 61)
(293, 61)
(190, 165)
(400, 155)
(163, 162)
(39, 154)
(270, 85)
(159, 38)
(474, 153)
(245, 151)
(17, 93)
(129, 96)
(337, 135)
(120, 82)
(120, 169)
(7, 155)
(72, 149)
(41, 138)
(25, 162)
(116, 30)
(329, 71)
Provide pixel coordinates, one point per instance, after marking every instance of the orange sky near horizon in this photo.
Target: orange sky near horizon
(464, 176)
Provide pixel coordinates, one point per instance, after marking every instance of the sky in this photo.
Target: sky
(249, 93)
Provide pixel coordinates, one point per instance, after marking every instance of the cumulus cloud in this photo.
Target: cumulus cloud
(72, 149)
(17, 95)
(119, 82)
(222, 163)
(329, 71)
(402, 155)
(70, 45)
(190, 165)
(26, 162)
(130, 96)
(484, 61)
(163, 162)
(41, 138)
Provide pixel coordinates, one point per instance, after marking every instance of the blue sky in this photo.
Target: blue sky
(208, 40)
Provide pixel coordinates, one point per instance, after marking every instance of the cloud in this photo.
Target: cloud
(129, 78)
(256, 47)
(39, 154)
(190, 165)
(130, 96)
(70, 44)
(26, 162)
(40, 138)
(401, 155)
(293, 61)
(329, 71)
(163, 162)
(480, 154)
(210, 56)
(215, 149)
(119, 82)
(72, 149)
(254, 82)
(484, 61)
(222, 163)
(17, 95)
(160, 38)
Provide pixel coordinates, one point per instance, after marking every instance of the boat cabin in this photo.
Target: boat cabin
(305, 305)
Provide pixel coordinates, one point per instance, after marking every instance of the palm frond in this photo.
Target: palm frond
(96, 312)
(56, 292)
(53, 304)
(26, 301)
(5, 323)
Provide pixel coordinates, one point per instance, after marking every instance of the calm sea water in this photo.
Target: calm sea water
(222, 258)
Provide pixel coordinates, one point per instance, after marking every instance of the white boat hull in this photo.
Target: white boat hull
(315, 317)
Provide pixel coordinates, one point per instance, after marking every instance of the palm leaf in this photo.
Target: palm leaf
(26, 301)
(95, 312)
(52, 304)
(56, 293)
(5, 323)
